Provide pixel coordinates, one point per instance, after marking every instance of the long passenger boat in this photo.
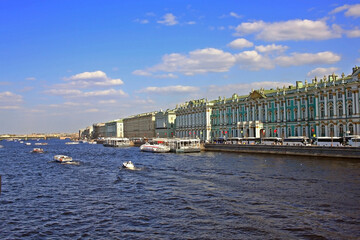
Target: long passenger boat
(116, 142)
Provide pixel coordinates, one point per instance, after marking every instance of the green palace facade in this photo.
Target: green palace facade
(328, 106)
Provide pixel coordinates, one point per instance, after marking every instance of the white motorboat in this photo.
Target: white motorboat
(155, 147)
(39, 144)
(28, 144)
(62, 158)
(128, 165)
(37, 150)
(71, 143)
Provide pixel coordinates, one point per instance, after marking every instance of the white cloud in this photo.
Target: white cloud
(191, 22)
(9, 100)
(254, 61)
(77, 93)
(351, 10)
(321, 71)
(90, 79)
(289, 30)
(196, 62)
(168, 75)
(30, 78)
(111, 101)
(141, 73)
(298, 59)
(169, 20)
(215, 91)
(169, 89)
(92, 110)
(142, 21)
(240, 43)
(235, 15)
(271, 48)
(354, 33)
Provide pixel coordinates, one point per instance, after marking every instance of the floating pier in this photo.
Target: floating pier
(314, 151)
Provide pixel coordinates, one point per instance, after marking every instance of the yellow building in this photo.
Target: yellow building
(141, 125)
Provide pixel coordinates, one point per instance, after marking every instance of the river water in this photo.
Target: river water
(206, 195)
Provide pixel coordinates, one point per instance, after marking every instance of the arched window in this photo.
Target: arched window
(322, 112)
(288, 115)
(322, 131)
(351, 129)
(289, 132)
(295, 114)
(303, 113)
(331, 110)
(296, 132)
(304, 131)
(340, 110)
(269, 116)
(350, 110)
(331, 130)
(341, 130)
(311, 113)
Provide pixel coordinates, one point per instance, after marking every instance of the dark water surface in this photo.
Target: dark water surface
(194, 196)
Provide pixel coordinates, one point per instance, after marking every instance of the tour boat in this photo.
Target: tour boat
(38, 150)
(156, 146)
(62, 158)
(128, 165)
(184, 145)
(116, 142)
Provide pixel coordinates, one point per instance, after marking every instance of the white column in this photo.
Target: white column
(285, 115)
(357, 102)
(260, 112)
(335, 105)
(247, 113)
(326, 106)
(298, 111)
(354, 103)
(344, 104)
(253, 113)
(266, 111)
(317, 107)
(278, 110)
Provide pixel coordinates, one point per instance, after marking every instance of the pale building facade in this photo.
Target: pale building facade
(165, 124)
(141, 125)
(193, 119)
(325, 107)
(98, 130)
(114, 128)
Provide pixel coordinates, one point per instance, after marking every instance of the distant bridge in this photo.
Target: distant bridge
(39, 136)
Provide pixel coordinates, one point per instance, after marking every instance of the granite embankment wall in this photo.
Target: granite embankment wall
(315, 151)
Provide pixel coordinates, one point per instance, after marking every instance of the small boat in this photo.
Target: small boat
(39, 144)
(128, 165)
(70, 143)
(28, 143)
(62, 158)
(156, 145)
(37, 150)
(1, 146)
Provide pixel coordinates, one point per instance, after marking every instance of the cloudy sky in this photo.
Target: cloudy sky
(68, 64)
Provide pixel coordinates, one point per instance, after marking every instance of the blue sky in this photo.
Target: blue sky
(68, 64)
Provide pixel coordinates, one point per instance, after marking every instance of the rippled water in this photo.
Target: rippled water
(194, 196)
